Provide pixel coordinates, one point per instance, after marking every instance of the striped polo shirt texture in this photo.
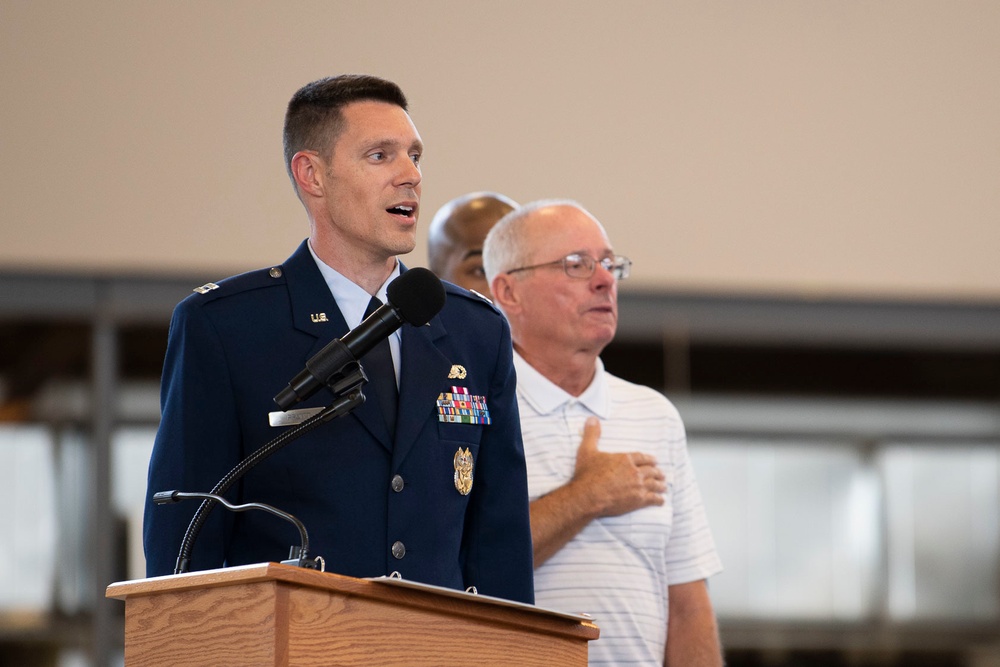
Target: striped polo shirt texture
(617, 569)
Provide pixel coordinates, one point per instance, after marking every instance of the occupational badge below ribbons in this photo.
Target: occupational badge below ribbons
(463, 471)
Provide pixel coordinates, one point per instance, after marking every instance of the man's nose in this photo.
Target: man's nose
(603, 278)
(409, 174)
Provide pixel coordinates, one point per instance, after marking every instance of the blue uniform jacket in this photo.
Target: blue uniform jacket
(232, 349)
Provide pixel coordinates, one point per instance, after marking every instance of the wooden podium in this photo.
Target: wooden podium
(271, 615)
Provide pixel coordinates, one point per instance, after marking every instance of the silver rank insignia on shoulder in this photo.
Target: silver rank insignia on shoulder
(318, 317)
(463, 471)
(482, 296)
(206, 288)
(457, 372)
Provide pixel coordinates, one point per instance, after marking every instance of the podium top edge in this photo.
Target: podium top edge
(380, 587)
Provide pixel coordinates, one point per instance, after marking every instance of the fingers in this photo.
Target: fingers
(640, 459)
(591, 434)
(656, 484)
(652, 478)
(592, 462)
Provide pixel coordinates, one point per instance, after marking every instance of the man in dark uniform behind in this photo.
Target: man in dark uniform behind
(438, 498)
(456, 234)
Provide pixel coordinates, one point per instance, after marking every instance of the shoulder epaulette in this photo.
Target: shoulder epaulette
(243, 282)
(468, 295)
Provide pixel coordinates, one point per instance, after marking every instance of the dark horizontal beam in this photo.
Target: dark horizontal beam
(724, 319)
(644, 314)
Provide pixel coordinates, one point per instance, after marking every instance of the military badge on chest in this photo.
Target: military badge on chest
(463, 471)
(458, 406)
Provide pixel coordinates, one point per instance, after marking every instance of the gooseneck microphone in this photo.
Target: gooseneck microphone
(297, 555)
(349, 396)
(414, 298)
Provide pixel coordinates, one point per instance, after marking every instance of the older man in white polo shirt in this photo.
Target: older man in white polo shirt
(618, 527)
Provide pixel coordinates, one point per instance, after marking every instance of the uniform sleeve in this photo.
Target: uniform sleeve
(196, 444)
(497, 538)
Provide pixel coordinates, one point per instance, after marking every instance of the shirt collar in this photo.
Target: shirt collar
(545, 397)
(352, 299)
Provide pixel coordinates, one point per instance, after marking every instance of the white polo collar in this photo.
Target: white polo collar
(545, 397)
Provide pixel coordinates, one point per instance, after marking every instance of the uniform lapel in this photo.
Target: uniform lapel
(315, 312)
(424, 373)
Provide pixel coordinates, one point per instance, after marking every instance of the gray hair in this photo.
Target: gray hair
(504, 248)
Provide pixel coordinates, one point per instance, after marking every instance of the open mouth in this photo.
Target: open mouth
(404, 211)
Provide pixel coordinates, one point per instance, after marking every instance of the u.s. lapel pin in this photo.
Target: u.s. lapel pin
(463, 471)
(457, 372)
(318, 317)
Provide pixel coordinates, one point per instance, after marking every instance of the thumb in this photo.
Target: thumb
(591, 434)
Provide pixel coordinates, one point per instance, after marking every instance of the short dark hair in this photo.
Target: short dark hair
(314, 118)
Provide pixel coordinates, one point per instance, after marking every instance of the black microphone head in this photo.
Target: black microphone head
(417, 295)
(165, 497)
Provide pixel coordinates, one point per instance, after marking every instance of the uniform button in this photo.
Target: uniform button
(398, 550)
(275, 272)
(397, 483)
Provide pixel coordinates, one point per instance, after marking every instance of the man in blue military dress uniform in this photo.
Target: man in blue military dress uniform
(438, 497)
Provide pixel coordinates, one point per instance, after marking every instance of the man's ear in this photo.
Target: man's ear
(308, 171)
(505, 292)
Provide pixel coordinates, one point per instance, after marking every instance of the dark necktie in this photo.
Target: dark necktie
(382, 375)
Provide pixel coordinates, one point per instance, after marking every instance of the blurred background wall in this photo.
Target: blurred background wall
(809, 191)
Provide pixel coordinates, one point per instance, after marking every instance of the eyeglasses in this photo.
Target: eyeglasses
(583, 266)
